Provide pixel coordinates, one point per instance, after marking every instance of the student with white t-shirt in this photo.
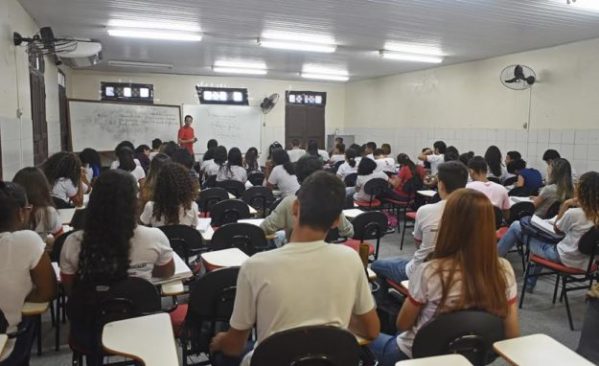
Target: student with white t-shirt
(276, 289)
(234, 169)
(576, 216)
(451, 280)
(127, 163)
(383, 162)
(25, 271)
(296, 152)
(282, 175)
(136, 250)
(452, 176)
(350, 165)
(173, 200)
(64, 174)
(436, 157)
(219, 160)
(496, 193)
(366, 172)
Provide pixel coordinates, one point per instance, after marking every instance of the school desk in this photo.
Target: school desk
(35, 310)
(182, 272)
(3, 340)
(428, 193)
(351, 213)
(445, 360)
(538, 349)
(232, 257)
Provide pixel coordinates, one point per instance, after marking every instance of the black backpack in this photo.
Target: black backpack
(413, 184)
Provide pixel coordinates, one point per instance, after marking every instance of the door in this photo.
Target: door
(305, 123)
(65, 141)
(38, 106)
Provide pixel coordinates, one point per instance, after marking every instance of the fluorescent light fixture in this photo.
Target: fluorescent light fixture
(418, 49)
(316, 69)
(585, 4)
(158, 24)
(297, 46)
(139, 64)
(155, 34)
(298, 37)
(240, 64)
(324, 77)
(410, 57)
(238, 70)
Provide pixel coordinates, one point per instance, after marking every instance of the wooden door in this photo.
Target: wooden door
(65, 141)
(305, 123)
(38, 106)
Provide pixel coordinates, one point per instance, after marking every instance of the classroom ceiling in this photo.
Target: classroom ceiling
(463, 30)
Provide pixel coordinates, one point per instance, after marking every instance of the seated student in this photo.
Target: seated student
(63, 171)
(169, 148)
(296, 152)
(156, 144)
(387, 151)
(315, 152)
(127, 163)
(383, 162)
(250, 161)
(233, 170)
(350, 166)
(558, 189)
(576, 216)
(91, 163)
(25, 270)
(282, 216)
(208, 157)
(424, 163)
(511, 156)
(435, 157)
(465, 157)
(409, 179)
(111, 245)
(142, 153)
(495, 164)
(219, 160)
(338, 154)
(451, 154)
(282, 175)
(44, 218)
(147, 189)
(366, 172)
(338, 140)
(369, 149)
(496, 193)
(550, 155)
(286, 288)
(129, 144)
(452, 176)
(451, 280)
(529, 179)
(183, 156)
(173, 202)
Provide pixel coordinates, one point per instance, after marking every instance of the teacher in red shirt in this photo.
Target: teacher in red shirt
(186, 135)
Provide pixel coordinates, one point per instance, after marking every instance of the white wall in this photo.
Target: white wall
(467, 106)
(17, 138)
(180, 89)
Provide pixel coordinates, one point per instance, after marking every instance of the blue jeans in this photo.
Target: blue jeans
(391, 268)
(386, 350)
(536, 246)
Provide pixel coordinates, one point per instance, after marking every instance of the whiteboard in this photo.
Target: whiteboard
(102, 125)
(231, 126)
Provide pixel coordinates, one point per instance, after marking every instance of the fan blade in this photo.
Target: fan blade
(513, 80)
(518, 72)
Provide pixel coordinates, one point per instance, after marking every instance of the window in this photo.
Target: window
(234, 96)
(306, 98)
(128, 92)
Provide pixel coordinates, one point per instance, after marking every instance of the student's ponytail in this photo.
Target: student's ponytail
(350, 155)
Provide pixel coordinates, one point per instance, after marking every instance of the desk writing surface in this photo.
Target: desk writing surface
(352, 212)
(445, 360)
(427, 193)
(538, 349)
(65, 215)
(147, 338)
(231, 257)
(182, 272)
(34, 308)
(256, 222)
(172, 288)
(514, 200)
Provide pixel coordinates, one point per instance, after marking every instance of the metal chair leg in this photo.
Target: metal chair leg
(555, 289)
(38, 333)
(526, 275)
(567, 305)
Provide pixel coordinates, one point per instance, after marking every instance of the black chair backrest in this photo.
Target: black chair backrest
(211, 196)
(370, 225)
(60, 204)
(350, 180)
(211, 300)
(337, 165)
(209, 182)
(520, 210)
(589, 245)
(227, 211)
(185, 240)
(470, 333)
(510, 181)
(308, 346)
(258, 197)
(57, 247)
(234, 187)
(553, 210)
(376, 186)
(519, 192)
(78, 220)
(249, 238)
(498, 217)
(256, 178)
(3, 323)
(494, 179)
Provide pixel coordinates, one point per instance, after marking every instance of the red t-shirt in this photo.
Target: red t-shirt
(405, 174)
(186, 133)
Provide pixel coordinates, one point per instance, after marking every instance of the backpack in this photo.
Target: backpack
(413, 184)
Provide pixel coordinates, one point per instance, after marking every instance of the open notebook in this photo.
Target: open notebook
(544, 224)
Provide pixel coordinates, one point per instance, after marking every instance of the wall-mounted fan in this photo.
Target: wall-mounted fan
(518, 77)
(269, 103)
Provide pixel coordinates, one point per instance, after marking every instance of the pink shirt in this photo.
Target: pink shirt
(496, 192)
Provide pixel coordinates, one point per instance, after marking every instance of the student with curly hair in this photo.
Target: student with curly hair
(63, 171)
(173, 201)
(576, 216)
(91, 163)
(233, 169)
(147, 190)
(111, 245)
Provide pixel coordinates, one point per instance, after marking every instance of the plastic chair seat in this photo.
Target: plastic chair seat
(375, 203)
(402, 290)
(355, 245)
(178, 318)
(560, 267)
(500, 233)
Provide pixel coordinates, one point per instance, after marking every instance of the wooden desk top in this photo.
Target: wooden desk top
(148, 338)
(538, 349)
(231, 257)
(445, 360)
(34, 308)
(427, 193)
